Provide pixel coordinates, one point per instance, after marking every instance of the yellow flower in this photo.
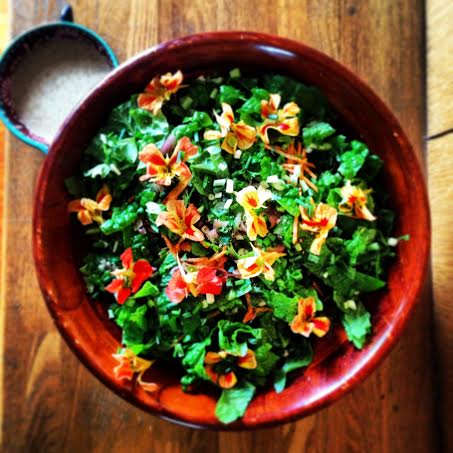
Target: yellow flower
(305, 321)
(89, 210)
(354, 198)
(283, 120)
(251, 199)
(323, 220)
(235, 135)
(159, 90)
(260, 263)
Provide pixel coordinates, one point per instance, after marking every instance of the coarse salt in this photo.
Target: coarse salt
(50, 81)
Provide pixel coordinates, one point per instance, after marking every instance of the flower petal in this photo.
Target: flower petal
(321, 326)
(227, 381)
(115, 285)
(177, 288)
(142, 270)
(122, 295)
(127, 258)
(248, 361)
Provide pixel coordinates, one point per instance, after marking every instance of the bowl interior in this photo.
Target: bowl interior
(337, 366)
(26, 44)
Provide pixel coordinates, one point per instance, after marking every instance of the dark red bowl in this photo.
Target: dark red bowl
(338, 365)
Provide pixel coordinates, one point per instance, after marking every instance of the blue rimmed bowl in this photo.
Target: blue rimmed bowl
(19, 48)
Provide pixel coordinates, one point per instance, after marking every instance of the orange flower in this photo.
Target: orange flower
(251, 199)
(305, 321)
(159, 90)
(162, 169)
(130, 278)
(181, 220)
(283, 120)
(236, 135)
(260, 263)
(228, 379)
(354, 198)
(90, 210)
(323, 220)
(129, 364)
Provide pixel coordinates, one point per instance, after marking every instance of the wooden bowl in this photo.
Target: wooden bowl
(338, 367)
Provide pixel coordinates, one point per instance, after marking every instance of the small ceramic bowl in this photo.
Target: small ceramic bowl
(338, 366)
(27, 42)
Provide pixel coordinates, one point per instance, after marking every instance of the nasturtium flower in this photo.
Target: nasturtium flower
(282, 120)
(130, 364)
(89, 210)
(236, 135)
(205, 276)
(305, 322)
(227, 379)
(355, 199)
(159, 90)
(181, 220)
(162, 169)
(130, 278)
(252, 199)
(323, 220)
(260, 263)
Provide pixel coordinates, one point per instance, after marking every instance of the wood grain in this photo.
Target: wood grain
(440, 57)
(440, 161)
(51, 403)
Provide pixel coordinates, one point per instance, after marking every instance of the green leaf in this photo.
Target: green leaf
(359, 243)
(291, 364)
(357, 325)
(367, 283)
(284, 307)
(315, 134)
(193, 361)
(234, 337)
(121, 218)
(192, 124)
(289, 199)
(147, 290)
(351, 161)
(229, 94)
(284, 230)
(266, 360)
(233, 402)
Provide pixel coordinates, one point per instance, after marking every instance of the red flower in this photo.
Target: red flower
(210, 280)
(130, 278)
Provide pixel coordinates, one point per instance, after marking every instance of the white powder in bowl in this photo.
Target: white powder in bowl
(51, 79)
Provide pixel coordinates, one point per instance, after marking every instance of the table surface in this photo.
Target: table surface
(49, 402)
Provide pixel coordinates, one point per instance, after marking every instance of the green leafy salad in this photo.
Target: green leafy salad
(230, 224)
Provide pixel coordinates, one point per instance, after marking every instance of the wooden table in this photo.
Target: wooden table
(51, 403)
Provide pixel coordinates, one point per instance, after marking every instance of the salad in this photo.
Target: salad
(230, 224)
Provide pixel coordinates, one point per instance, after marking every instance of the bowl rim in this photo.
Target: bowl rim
(377, 350)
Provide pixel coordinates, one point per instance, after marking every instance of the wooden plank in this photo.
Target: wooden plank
(440, 121)
(53, 404)
(440, 56)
